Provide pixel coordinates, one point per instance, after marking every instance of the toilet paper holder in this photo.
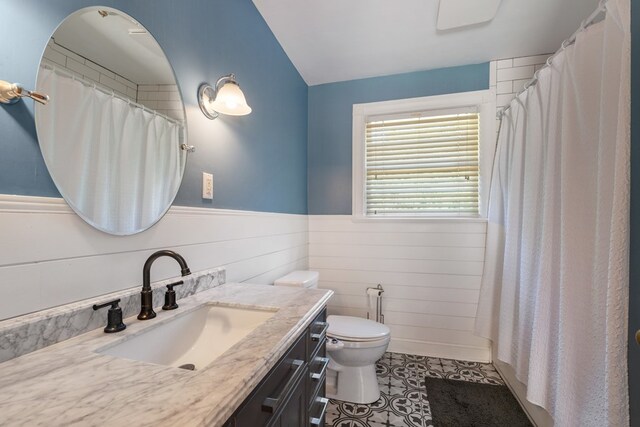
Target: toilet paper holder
(375, 295)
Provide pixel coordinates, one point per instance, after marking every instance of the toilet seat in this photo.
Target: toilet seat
(362, 344)
(356, 329)
(352, 339)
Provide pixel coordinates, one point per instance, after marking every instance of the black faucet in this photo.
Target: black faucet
(146, 296)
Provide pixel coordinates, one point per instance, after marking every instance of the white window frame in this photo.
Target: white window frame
(484, 100)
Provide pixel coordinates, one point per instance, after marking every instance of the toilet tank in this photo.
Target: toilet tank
(299, 278)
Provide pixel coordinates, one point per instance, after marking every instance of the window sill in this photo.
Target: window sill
(415, 219)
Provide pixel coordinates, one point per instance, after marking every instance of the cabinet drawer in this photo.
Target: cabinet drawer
(274, 391)
(318, 331)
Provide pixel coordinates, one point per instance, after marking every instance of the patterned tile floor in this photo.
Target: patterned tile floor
(403, 401)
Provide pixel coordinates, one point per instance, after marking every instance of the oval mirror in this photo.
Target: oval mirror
(113, 134)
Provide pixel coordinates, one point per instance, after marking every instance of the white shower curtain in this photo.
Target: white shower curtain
(554, 294)
(117, 165)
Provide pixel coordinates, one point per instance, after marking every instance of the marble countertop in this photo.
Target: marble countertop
(69, 384)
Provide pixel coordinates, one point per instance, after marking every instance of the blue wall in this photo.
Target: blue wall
(330, 124)
(258, 161)
(634, 273)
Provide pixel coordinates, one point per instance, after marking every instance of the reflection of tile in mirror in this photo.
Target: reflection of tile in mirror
(145, 94)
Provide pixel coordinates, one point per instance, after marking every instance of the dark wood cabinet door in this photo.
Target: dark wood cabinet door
(294, 411)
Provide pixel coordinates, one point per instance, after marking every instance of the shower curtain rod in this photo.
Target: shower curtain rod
(592, 19)
(111, 92)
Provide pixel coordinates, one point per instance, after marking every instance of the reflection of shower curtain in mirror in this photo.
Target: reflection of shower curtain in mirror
(116, 164)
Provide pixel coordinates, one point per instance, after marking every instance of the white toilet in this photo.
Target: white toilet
(354, 345)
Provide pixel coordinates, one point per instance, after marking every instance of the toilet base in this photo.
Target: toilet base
(355, 384)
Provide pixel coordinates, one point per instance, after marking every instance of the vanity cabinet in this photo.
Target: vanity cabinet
(292, 393)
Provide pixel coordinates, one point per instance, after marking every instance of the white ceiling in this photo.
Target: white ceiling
(461, 13)
(337, 40)
(106, 41)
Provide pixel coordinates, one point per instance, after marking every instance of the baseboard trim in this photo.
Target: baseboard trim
(444, 351)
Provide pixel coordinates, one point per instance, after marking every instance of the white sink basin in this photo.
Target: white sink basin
(196, 338)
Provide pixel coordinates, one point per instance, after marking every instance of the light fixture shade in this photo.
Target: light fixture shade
(230, 100)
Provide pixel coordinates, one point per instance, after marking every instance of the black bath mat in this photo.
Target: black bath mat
(466, 404)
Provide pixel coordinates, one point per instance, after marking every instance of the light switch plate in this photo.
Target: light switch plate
(207, 186)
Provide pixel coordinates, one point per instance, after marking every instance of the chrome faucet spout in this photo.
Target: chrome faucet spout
(146, 296)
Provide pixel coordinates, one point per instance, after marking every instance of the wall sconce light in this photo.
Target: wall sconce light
(225, 98)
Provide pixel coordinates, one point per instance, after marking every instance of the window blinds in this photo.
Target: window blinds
(422, 165)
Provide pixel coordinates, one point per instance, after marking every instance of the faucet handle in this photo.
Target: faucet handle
(170, 296)
(114, 316)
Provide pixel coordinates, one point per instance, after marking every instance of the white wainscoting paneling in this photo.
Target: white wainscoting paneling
(430, 272)
(50, 257)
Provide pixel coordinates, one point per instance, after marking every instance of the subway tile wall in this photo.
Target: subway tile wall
(508, 76)
(69, 61)
(165, 99)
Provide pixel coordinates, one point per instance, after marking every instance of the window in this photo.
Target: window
(423, 157)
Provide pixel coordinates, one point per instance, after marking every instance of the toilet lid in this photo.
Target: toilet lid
(304, 278)
(349, 327)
